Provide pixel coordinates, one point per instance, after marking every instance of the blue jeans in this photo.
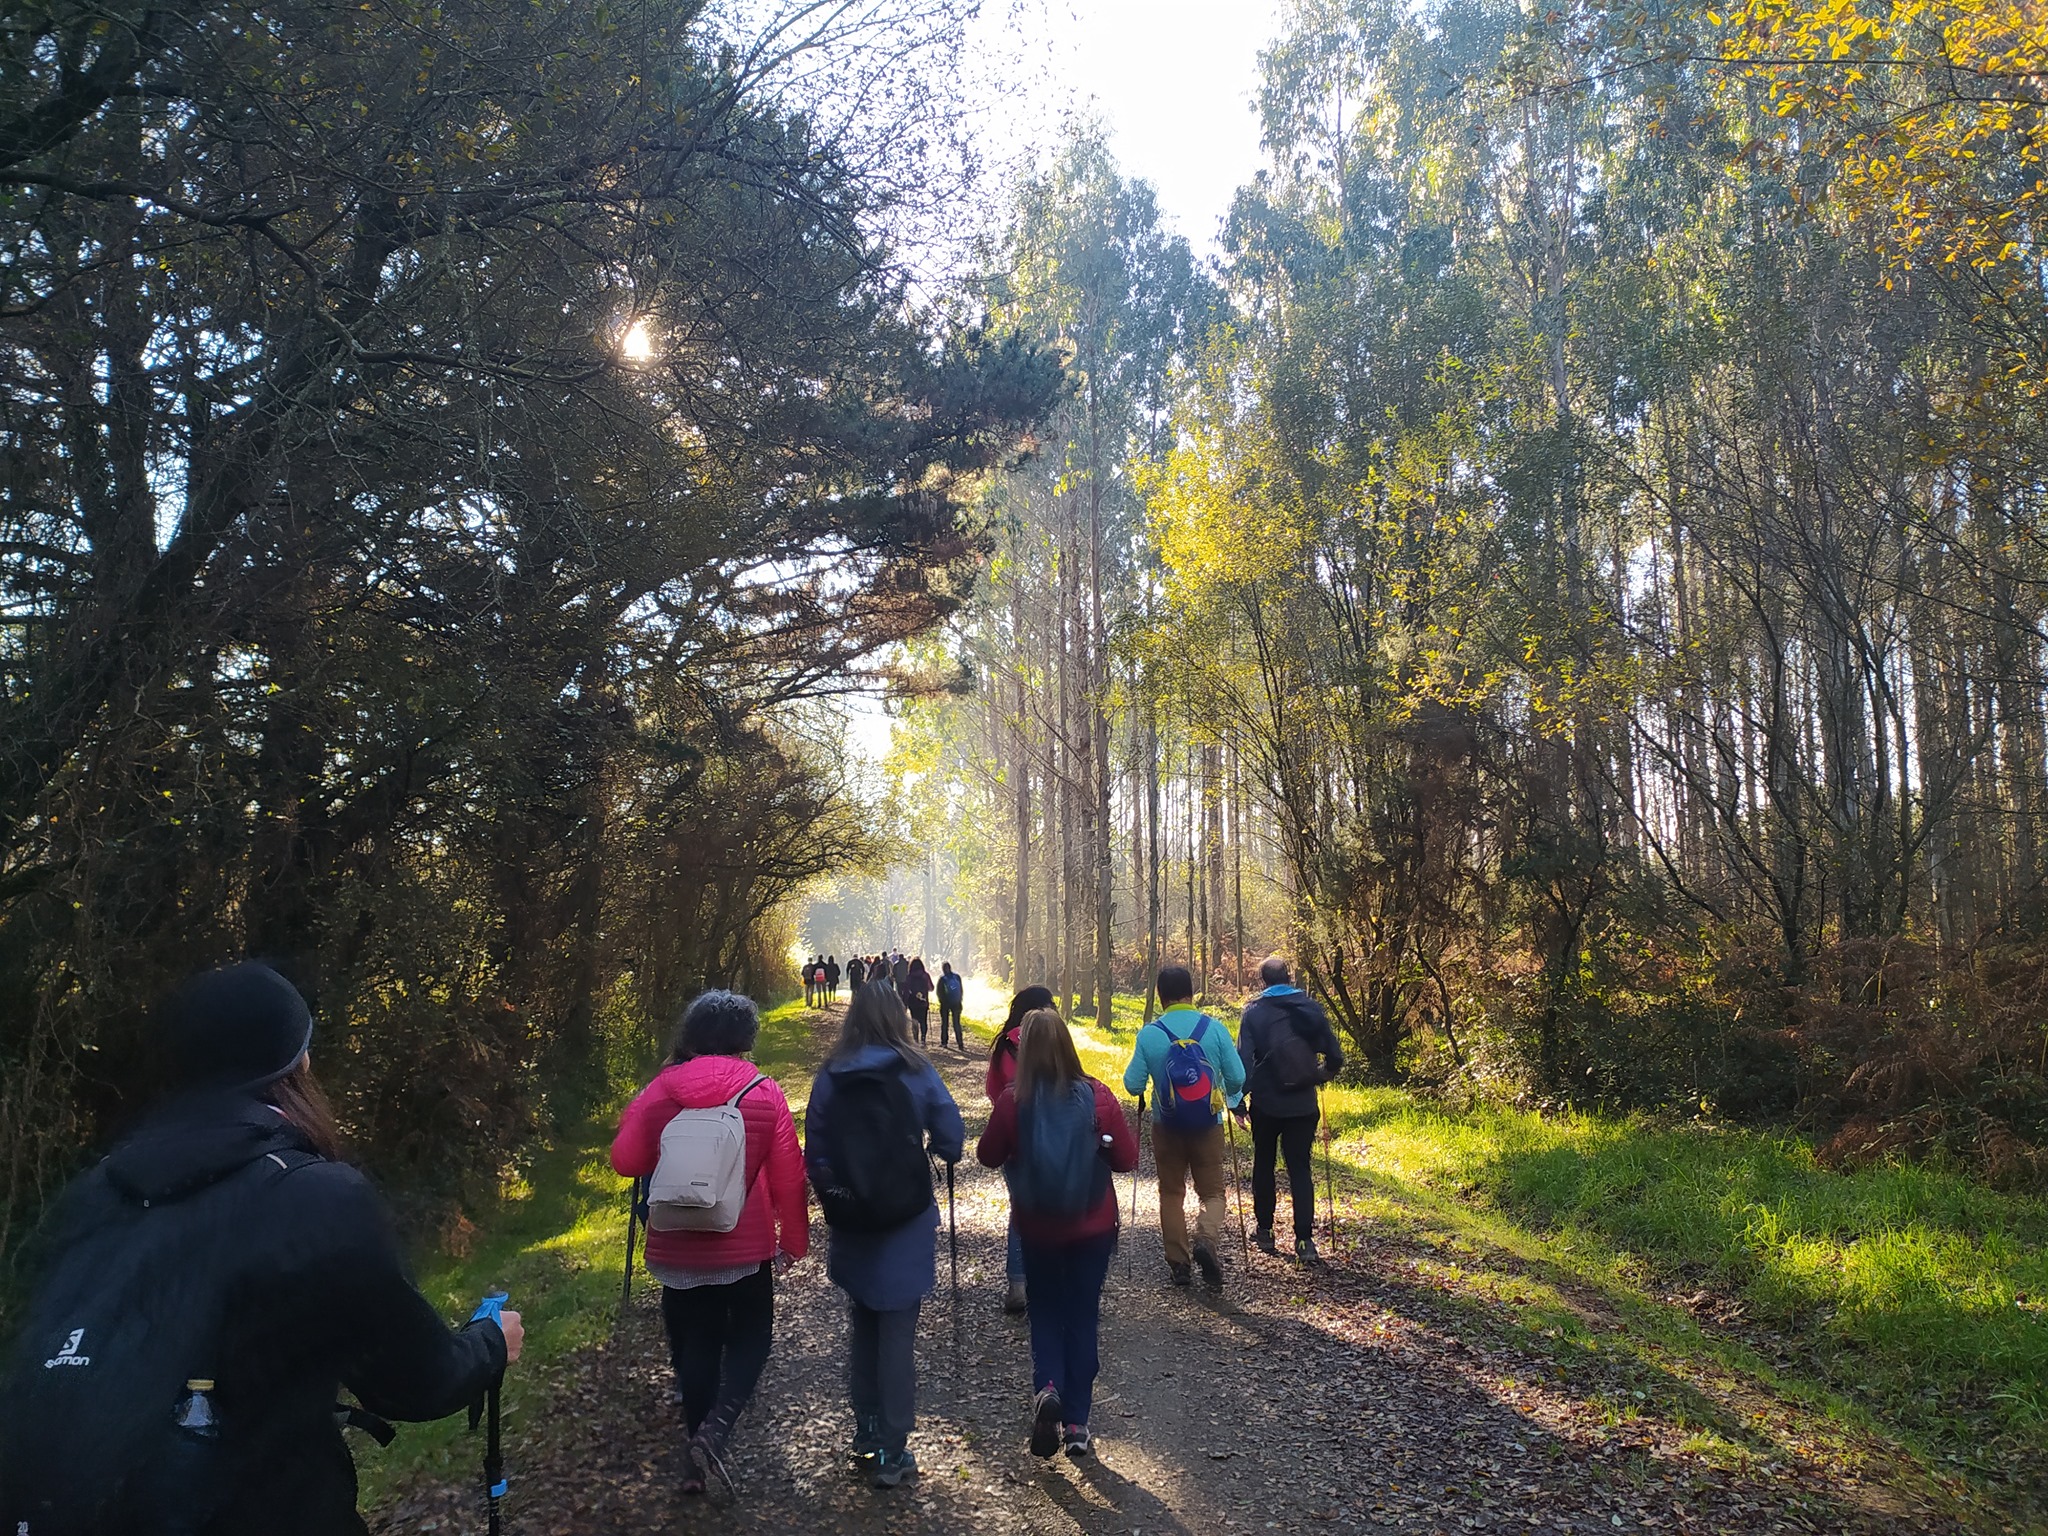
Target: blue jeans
(1013, 1261)
(1065, 1283)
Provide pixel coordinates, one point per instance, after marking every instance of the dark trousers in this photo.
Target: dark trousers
(1295, 1138)
(920, 1017)
(718, 1340)
(882, 1370)
(1064, 1282)
(951, 1011)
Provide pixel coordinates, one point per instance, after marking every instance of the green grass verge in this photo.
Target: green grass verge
(1902, 1298)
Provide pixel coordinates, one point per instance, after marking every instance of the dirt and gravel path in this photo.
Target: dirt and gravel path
(1350, 1399)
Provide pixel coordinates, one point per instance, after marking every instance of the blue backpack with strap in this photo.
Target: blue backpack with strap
(1058, 1171)
(1188, 1104)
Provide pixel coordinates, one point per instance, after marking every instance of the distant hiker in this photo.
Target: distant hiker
(818, 975)
(856, 973)
(1002, 1071)
(809, 973)
(877, 1110)
(716, 1262)
(216, 1282)
(831, 978)
(1289, 1050)
(1194, 1071)
(1059, 1135)
(917, 997)
(952, 997)
(899, 972)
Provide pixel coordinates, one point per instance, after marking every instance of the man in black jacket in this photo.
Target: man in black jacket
(223, 1248)
(1289, 1051)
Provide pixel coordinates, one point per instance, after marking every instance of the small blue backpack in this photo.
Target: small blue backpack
(1189, 1103)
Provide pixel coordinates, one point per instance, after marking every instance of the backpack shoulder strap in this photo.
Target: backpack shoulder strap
(1202, 1023)
(734, 1101)
(288, 1159)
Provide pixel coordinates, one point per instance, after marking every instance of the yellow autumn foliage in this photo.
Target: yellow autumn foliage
(1933, 113)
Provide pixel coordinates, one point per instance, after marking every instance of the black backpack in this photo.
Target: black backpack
(1292, 1060)
(131, 1309)
(882, 1177)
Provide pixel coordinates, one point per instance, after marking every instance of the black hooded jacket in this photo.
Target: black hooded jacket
(217, 1203)
(1264, 1017)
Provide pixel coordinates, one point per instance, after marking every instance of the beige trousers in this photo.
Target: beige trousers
(1179, 1156)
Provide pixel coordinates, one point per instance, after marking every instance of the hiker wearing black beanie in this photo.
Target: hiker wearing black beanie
(215, 1282)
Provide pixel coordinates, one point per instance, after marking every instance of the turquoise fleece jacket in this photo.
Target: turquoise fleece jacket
(1148, 1055)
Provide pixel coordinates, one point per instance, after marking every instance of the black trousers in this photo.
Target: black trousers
(1294, 1136)
(718, 1341)
(951, 1011)
(920, 1016)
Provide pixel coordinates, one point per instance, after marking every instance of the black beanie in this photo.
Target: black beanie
(243, 1026)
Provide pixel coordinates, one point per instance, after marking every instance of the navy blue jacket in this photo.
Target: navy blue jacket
(886, 1271)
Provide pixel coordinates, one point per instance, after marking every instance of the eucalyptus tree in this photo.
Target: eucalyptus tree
(1086, 265)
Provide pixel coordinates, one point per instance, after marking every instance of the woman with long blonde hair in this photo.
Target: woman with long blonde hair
(1059, 1135)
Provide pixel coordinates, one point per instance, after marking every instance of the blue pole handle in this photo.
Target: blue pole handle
(492, 1304)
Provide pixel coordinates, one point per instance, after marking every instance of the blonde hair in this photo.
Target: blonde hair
(1046, 1058)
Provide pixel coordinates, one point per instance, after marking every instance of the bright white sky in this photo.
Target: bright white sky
(1172, 79)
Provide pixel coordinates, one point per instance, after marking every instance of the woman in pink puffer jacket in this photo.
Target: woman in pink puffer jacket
(718, 1288)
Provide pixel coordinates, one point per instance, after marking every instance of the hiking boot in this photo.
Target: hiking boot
(891, 1467)
(1180, 1274)
(1212, 1272)
(1262, 1239)
(708, 1445)
(1015, 1299)
(692, 1484)
(1078, 1441)
(1305, 1253)
(708, 1461)
(867, 1438)
(1045, 1423)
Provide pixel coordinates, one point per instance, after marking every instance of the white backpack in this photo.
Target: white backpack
(700, 1182)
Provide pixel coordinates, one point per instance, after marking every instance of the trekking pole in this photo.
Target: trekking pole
(952, 1230)
(633, 1198)
(1237, 1179)
(1329, 1177)
(495, 1483)
(1130, 1253)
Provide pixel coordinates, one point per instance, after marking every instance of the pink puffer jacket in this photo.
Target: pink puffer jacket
(777, 1211)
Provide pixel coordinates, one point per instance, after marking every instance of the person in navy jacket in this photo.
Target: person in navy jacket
(886, 1275)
